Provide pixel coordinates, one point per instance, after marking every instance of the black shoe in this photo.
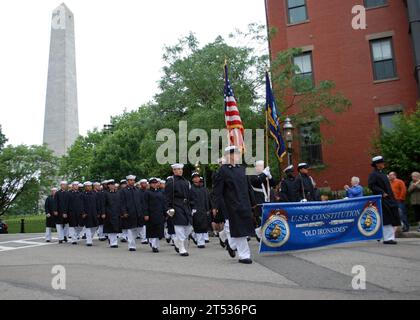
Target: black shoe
(155, 250)
(245, 261)
(138, 238)
(102, 239)
(132, 250)
(113, 247)
(145, 242)
(89, 245)
(48, 241)
(74, 243)
(60, 241)
(248, 239)
(168, 240)
(65, 239)
(176, 249)
(201, 247)
(390, 242)
(192, 238)
(258, 238)
(222, 243)
(123, 240)
(184, 254)
(207, 241)
(84, 237)
(231, 252)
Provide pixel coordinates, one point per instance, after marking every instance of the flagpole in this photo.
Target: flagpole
(266, 142)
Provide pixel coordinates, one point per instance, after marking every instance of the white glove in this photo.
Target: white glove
(304, 200)
(193, 211)
(266, 171)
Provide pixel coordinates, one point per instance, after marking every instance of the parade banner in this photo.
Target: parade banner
(306, 225)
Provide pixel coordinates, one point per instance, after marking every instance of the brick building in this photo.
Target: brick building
(376, 68)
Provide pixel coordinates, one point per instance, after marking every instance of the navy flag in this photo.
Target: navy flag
(273, 121)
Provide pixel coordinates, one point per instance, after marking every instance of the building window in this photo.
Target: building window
(297, 11)
(383, 59)
(386, 120)
(304, 72)
(310, 143)
(375, 3)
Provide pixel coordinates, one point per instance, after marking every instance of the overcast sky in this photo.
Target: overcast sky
(118, 53)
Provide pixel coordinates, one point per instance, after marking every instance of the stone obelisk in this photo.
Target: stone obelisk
(61, 125)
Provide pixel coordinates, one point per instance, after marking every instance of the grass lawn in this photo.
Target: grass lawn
(33, 223)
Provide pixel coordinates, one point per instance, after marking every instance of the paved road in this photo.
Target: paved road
(98, 272)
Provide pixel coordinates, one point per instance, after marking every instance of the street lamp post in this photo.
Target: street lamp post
(288, 133)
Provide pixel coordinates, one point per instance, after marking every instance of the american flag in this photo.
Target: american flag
(232, 117)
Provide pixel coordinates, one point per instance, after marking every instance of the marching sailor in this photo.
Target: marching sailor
(288, 190)
(100, 197)
(201, 211)
(111, 217)
(233, 189)
(169, 224)
(304, 186)
(219, 213)
(142, 187)
(75, 212)
(49, 212)
(261, 192)
(131, 211)
(380, 185)
(61, 204)
(90, 212)
(155, 213)
(178, 199)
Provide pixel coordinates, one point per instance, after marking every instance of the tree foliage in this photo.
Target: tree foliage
(400, 145)
(24, 173)
(3, 139)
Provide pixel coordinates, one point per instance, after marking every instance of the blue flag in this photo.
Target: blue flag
(273, 121)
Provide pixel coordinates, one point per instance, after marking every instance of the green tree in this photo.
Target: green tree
(3, 139)
(24, 173)
(77, 164)
(400, 145)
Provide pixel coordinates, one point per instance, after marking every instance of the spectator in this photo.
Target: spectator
(414, 191)
(356, 190)
(400, 192)
(325, 197)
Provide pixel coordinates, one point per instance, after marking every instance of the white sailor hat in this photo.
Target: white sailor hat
(63, 182)
(377, 159)
(80, 185)
(259, 163)
(87, 184)
(170, 177)
(112, 181)
(195, 174)
(74, 183)
(123, 181)
(162, 181)
(131, 177)
(303, 165)
(232, 149)
(104, 182)
(153, 180)
(54, 189)
(289, 168)
(96, 184)
(143, 181)
(177, 166)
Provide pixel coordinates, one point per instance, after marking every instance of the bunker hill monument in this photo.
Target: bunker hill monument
(61, 124)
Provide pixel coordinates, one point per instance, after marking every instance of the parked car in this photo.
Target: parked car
(3, 227)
